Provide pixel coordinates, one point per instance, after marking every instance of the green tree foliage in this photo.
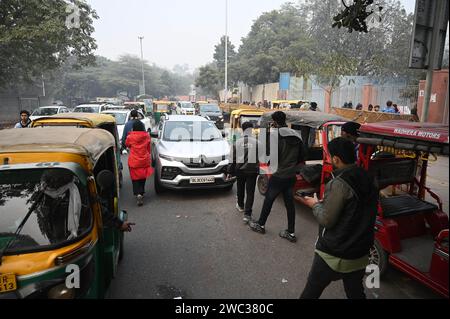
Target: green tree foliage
(208, 79)
(34, 37)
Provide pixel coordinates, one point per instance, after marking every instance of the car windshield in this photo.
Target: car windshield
(121, 118)
(187, 106)
(209, 108)
(87, 109)
(255, 120)
(61, 213)
(45, 111)
(191, 131)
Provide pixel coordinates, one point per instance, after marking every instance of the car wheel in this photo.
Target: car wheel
(159, 189)
(379, 257)
(263, 183)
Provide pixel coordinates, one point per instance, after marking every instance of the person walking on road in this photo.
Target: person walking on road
(290, 155)
(245, 167)
(139, 160)
(346, 217)
(25, 121)
(134, 116)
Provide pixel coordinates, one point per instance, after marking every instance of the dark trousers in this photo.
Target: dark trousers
(246, 185)
(276, 187)
(139, 187)
(322, 275)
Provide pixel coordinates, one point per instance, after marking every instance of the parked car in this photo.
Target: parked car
(48, 111)
(123, 116)
(185, 108)
(91, 108)
(190, 153)
(213, 113)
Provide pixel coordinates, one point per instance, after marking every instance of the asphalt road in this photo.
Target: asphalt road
(193, 244)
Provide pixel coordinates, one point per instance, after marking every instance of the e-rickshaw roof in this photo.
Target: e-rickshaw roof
(429, 137)
(304, 118)
(81, 141)
(69, 119)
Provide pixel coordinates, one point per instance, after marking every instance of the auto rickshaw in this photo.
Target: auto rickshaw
(316, 129)
(411, 232)
(239, 117)
(160, 108)
(85, 120)
(54, 242)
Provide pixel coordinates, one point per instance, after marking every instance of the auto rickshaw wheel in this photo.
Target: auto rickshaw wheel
(263, 183)
(379, 257)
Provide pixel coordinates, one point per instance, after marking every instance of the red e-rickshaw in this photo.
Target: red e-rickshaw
(411, 231)
(316, 130)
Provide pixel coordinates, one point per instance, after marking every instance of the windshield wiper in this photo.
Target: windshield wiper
(22, 224)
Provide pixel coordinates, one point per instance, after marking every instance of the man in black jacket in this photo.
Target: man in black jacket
(346, 217)
(245, 167)
(290, 155)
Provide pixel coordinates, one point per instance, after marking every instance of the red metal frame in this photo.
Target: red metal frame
(390, 231)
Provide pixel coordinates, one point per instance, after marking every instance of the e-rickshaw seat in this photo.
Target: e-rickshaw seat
(405, 205)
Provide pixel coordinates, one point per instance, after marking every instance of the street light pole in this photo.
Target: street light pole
(226, 51)
(142, 62)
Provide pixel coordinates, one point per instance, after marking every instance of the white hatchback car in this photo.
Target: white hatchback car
(48, 111)
(123, 116)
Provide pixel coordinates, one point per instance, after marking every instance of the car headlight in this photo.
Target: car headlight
(61, 292)
(167, 158)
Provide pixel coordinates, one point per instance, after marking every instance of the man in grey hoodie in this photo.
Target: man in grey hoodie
(290, 155)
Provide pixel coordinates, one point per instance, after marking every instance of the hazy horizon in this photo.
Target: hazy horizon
(176, 31)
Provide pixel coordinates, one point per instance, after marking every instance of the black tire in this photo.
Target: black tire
(159, 189)
(262, 182)
(378, 256)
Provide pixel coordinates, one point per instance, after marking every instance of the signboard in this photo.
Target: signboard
(425, 16)
(285, 81)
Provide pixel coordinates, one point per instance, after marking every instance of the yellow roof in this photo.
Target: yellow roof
(86, 142)
(286, 101)
(247, 112)
(90, 120)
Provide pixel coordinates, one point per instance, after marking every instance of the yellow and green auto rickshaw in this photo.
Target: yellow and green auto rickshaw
(160, 108)
(85, 120)
(239, 117)
(54, 202)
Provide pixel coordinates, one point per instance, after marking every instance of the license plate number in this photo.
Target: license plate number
(203, 180)
(8, 283)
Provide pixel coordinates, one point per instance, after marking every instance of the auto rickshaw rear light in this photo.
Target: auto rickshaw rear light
(61, 292)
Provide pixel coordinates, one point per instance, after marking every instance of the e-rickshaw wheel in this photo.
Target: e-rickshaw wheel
(263, 184)
(379, 257)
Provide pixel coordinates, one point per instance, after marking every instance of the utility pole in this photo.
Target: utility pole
(43, 85)
(226, 51)
(439, 15)
(142, 62)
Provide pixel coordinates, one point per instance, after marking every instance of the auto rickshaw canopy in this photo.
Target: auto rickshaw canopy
(88, 120)
(80, 141)
(426, 137)
(304, 118)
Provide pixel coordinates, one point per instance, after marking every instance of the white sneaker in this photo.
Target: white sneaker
(140, 200)
(240, 209)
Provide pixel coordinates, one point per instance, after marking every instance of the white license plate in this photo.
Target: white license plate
(203, 180)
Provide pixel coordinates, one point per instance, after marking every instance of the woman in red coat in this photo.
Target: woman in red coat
(139, 160)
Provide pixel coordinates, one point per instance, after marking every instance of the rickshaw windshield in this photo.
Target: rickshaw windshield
(255, 120)
(62, 212)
